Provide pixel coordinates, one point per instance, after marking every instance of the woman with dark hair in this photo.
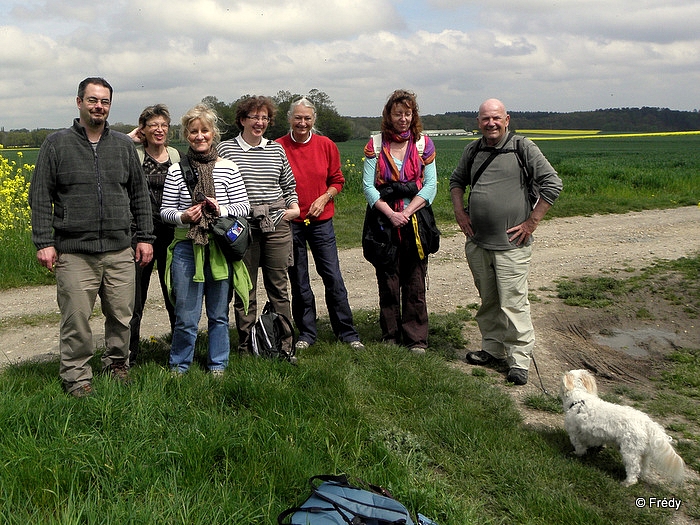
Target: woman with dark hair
(197, 268)
(271, 189)
(399, 178)
(156, 157)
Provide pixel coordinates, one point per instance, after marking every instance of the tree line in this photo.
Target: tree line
(342, 128)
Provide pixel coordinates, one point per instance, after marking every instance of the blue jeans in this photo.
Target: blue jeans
(188, 309)
(320, 237)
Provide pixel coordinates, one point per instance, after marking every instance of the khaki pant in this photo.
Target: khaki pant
(80, 278)
(504, 319)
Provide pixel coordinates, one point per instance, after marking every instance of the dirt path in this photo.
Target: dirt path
(566, 337)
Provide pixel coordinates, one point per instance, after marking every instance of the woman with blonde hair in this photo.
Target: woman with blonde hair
(197, 267)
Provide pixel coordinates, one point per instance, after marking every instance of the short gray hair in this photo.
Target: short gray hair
(303, 101)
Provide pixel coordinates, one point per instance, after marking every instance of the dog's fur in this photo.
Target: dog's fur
(592, 422)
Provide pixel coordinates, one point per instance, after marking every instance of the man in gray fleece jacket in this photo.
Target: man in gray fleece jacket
(87, 186)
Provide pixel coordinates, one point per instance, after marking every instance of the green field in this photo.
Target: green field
(604, 175)
(238, 449)
(601, 175)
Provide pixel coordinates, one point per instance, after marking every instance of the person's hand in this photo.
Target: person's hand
(47, 257)
(143, 254)
(137, 135)
(522, 231)
(398, 219)
(192, 215)
(464, 222)
(292, 212)
(317, 206)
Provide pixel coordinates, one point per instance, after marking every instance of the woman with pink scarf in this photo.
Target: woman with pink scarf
(400, 178)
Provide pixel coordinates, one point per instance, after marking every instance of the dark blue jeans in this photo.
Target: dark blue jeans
(320, 237)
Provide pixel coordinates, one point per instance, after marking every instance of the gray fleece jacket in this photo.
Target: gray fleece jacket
(83, 200)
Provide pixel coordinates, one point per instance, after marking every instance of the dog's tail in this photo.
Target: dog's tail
(663, 455)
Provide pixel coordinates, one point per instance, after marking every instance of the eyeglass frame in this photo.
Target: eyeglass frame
(94, 100)
(259, 118)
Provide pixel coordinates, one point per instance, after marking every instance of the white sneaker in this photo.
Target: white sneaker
(357, 345)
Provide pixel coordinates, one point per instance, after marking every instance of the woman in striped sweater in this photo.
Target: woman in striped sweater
(271, 189)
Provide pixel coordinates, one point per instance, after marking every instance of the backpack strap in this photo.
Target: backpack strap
(377, 144)
(188, 174)
(494, 153)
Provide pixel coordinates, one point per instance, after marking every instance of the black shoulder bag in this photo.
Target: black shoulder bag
(232, 234)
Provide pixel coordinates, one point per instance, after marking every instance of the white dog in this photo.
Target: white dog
(591, 422)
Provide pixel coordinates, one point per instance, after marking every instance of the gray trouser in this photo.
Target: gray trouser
(504, 319)
(271, 252)
(80, 278)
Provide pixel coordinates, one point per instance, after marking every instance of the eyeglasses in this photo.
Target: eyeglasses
(157, 125)
(93, 101)
(258, 118)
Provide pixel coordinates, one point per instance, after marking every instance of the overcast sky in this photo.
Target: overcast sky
(538, 55)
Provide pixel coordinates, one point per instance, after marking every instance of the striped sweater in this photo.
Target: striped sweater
(265, 169)
(228, 186)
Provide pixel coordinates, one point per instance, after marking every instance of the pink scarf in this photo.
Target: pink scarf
(412, 166)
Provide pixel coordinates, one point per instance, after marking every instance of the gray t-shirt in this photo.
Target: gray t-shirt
(499, 200)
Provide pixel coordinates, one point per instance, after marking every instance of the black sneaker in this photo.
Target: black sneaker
(517, 376)
(480, 358)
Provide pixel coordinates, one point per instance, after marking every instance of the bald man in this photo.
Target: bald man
(498, 222)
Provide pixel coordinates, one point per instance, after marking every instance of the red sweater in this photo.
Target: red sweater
(316, 168)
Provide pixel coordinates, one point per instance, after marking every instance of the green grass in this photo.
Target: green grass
(18, 263)
(614, 175)
(602, 291)
(239, 449)
(447, 444)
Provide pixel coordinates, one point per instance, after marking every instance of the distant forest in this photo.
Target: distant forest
(646, 119)
(640, 120)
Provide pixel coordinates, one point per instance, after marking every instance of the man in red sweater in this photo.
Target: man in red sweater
(315, 162)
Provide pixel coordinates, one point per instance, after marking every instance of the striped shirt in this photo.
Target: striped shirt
(228, 186)
(265, 170)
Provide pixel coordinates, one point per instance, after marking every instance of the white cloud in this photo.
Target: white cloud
(537, 55)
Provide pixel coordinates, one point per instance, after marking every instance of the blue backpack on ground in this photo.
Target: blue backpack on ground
(336, 502)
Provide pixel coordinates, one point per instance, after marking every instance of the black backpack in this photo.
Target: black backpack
(272, 336)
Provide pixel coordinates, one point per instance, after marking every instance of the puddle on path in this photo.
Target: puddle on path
(639, 342)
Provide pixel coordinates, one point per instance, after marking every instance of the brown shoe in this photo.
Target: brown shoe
(83, 390)
(120, 372)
